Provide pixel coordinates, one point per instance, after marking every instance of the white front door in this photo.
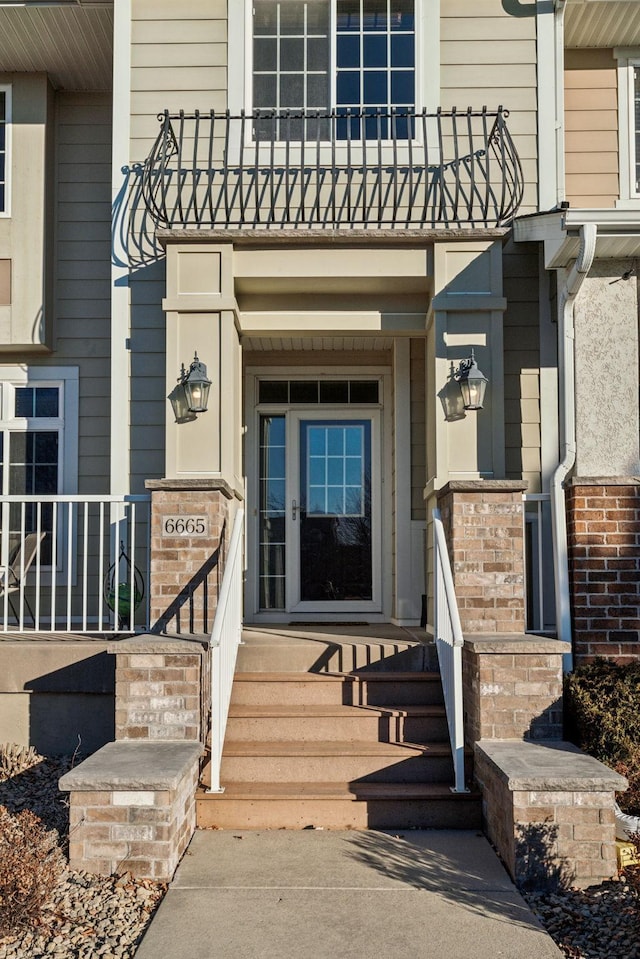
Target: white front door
(316, 539)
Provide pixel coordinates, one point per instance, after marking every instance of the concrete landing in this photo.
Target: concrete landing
(337, 648)
(356, 895)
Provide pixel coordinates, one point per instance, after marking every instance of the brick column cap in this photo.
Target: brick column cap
(198, 484)
(550, 766)
(520, 643)
(155, 644)
(603, 481)
(483, 486)
(124, 766)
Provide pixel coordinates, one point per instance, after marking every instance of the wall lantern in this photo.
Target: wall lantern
(191, 395)
(472, 383)
(196, 385)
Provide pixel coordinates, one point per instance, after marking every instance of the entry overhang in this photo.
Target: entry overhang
(618, 234)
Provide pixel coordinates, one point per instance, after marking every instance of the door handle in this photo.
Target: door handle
(294, 509)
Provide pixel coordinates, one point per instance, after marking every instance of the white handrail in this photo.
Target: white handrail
(449, 643)
(226, 636)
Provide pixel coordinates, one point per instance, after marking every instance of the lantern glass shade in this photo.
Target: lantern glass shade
(196, 385)
(473, 385)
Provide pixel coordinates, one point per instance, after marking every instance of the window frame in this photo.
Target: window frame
(66, 379)
(427, 57)
(628, 61)
(6, 89)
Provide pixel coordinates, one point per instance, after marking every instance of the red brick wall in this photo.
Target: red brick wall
(603, 528)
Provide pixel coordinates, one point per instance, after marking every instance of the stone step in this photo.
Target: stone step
(410, 724)
(343, 762)
(307, 649)
(348, 689)
(330, 805)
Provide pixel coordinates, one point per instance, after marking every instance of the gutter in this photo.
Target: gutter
(566, 368)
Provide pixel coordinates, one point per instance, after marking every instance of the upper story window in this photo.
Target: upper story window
(5, 129)
(351, 56)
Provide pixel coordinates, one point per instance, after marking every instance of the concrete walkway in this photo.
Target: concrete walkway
(343, 895)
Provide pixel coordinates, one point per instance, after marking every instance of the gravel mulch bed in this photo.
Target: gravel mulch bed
(88, 916)
(106, 916)
(601, 922)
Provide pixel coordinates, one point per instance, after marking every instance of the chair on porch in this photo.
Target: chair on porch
(17, 570)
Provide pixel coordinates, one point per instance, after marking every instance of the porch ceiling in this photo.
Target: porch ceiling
(602, 23)
(317, 344)
(71, 42)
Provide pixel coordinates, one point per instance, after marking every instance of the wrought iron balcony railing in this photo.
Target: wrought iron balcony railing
(363, 169)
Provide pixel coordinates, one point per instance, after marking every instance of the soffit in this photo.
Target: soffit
(602, 23)
(317, 344)
(618, 234)
(73, 44)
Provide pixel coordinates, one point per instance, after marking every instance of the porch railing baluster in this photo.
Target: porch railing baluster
(59, 559)
(85, 564)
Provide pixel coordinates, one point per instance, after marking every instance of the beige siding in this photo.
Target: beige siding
(591, 118)
(489, 57)
(149, 405)
(418, 429)
(521, 364)
(178, 62)
(82, 272)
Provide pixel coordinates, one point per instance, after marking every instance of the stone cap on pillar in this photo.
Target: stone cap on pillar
(483, 486)
(197, 484)
(160, 644)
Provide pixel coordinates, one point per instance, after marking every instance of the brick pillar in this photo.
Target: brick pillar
(512, 687)
(162, 688)
(189, 533)
(603, 527)
(484, 525)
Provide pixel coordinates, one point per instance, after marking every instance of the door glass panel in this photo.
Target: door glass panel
(335, 510)
(272, 512)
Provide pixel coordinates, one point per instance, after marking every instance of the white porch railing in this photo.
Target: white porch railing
(449, 643)
(74, 563)
(226, 636)
(540, 587)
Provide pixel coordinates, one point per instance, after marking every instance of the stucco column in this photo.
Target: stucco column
(606, 349)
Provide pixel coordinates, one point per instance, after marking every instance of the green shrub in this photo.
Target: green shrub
(602, 710)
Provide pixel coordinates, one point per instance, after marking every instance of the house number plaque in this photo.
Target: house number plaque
(185, 524)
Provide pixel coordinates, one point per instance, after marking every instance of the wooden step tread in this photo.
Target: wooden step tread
(300, 677)
(331, 790)
(332, 748)
(321, 711)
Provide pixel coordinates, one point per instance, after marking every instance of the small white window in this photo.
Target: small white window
(5, 139)
(629, 125)
(38, 447)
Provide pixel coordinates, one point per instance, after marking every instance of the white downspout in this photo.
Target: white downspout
(566, 368)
